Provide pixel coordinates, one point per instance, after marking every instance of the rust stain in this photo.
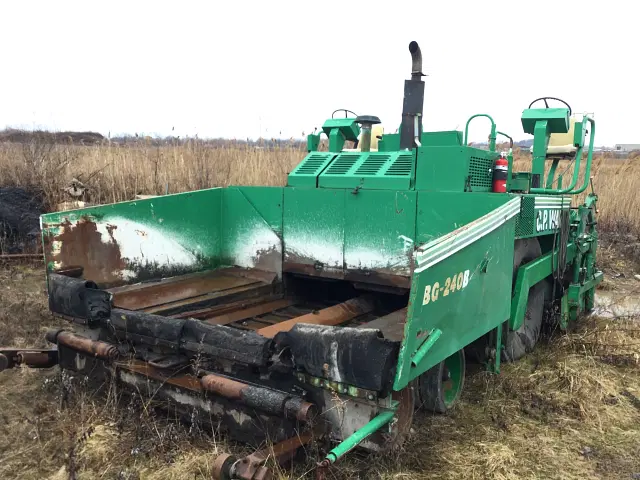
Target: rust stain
(245, 313)
(223, 386)
(330, 316)
(95, 348)
(253, 467)
(188, 382)
(180, 291)
(306, 412)
(82, 245)
(37, 359)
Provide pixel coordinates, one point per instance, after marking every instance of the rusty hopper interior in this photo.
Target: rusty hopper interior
(257, 347)
(263, 352)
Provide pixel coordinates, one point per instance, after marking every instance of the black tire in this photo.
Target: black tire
(523, 340)
(430, 389)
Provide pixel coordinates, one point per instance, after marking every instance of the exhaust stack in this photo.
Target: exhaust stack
(413, 102)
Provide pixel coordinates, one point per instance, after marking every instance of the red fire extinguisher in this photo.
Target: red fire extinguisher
(500, 174)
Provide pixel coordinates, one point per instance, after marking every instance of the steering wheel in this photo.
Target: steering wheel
(346, 112)
(546, 104)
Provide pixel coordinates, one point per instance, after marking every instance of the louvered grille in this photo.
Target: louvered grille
(401, 166)
(313, 163)
(342, 164)
(372, 164)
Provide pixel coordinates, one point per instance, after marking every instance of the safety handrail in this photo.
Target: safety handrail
(505, 135)
(576, 169)
(492, 135)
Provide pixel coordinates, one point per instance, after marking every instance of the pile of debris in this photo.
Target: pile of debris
(20, 212)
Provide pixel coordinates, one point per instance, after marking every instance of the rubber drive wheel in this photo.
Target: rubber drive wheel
(523, 340)
(439, 388)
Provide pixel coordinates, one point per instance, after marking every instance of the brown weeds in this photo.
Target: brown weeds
(116, 172)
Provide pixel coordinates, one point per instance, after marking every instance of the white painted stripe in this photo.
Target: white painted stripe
(461, 236)
(458, 240)
(548, 199)
(552, 201)
(435, 246)
(456, 247)
(551, 207)
(471, 229)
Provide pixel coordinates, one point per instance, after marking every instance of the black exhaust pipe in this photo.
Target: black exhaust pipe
(413, 102)
(416, 61)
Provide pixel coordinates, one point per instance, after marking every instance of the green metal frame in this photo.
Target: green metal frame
(360, 435)
(492, 134)
(339, 130)
(453, 274)
(580, 255)
(529, 275)
(542, 123)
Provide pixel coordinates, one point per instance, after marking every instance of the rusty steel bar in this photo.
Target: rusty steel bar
(182, 289)
(227, 307)
(250, 312)
(252, 467)
(95, 348)
(38, 359)
(186, 381)
(32, 358)
(331, 316)
(266, 399)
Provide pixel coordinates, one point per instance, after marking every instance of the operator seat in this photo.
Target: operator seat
(561, 144)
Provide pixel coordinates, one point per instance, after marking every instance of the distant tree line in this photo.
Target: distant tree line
(94, 138)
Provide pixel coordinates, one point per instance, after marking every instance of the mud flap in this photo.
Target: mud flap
(460, 290)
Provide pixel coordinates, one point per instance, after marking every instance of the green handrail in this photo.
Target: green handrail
(505, 135)
(576, 169)
(587, 170)
(492, 135)
(358, 436)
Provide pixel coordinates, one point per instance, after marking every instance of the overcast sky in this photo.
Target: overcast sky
(274, 68)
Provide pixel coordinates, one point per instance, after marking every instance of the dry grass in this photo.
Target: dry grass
(115, 172)
(570, 410)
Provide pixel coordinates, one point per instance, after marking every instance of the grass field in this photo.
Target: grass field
(114, 172)
(570, 410)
